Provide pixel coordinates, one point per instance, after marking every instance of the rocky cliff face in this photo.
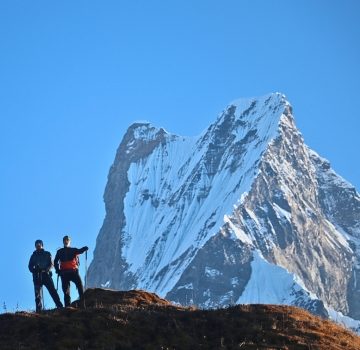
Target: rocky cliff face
(244, 213)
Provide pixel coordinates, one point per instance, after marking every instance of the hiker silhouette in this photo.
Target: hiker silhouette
(40, 264)
(67, 266)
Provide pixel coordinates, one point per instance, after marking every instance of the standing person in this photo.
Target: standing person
(40, 264)
(67, 266)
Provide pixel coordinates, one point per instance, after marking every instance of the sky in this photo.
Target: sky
(75, 74)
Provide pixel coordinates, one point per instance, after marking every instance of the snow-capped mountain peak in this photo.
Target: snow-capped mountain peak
(190, 217)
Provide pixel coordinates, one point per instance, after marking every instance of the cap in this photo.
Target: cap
(39, 241)
(66, 237)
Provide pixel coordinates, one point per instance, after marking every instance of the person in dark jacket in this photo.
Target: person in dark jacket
(67, 266)
(40, 264)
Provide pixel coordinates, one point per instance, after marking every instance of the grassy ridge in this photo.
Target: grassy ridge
(141, 320)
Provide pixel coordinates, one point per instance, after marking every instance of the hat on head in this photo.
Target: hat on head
(39, 241)
(66, 237)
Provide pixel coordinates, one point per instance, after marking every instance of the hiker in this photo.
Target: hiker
(40, 264)
(67, 267)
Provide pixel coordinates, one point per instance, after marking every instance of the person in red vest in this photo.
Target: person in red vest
(67, 266)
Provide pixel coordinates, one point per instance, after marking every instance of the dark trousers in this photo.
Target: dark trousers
(44, 279)
(66, 278)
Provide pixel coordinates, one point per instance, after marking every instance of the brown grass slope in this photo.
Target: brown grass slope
(140, 320)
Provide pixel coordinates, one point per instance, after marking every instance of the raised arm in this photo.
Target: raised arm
(82, 250)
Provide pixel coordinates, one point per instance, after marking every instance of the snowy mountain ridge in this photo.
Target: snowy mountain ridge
(199, 219)
(160, 186)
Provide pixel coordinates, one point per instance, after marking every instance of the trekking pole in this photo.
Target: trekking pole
(42, 298)
(85, 279)
(42, 291)
(58, 274)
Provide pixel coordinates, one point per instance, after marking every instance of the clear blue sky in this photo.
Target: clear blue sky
(75, 74)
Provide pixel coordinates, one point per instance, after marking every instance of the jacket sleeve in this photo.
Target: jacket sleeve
(82, 250)
(31, 265)
(49, 263)
(56, 262)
